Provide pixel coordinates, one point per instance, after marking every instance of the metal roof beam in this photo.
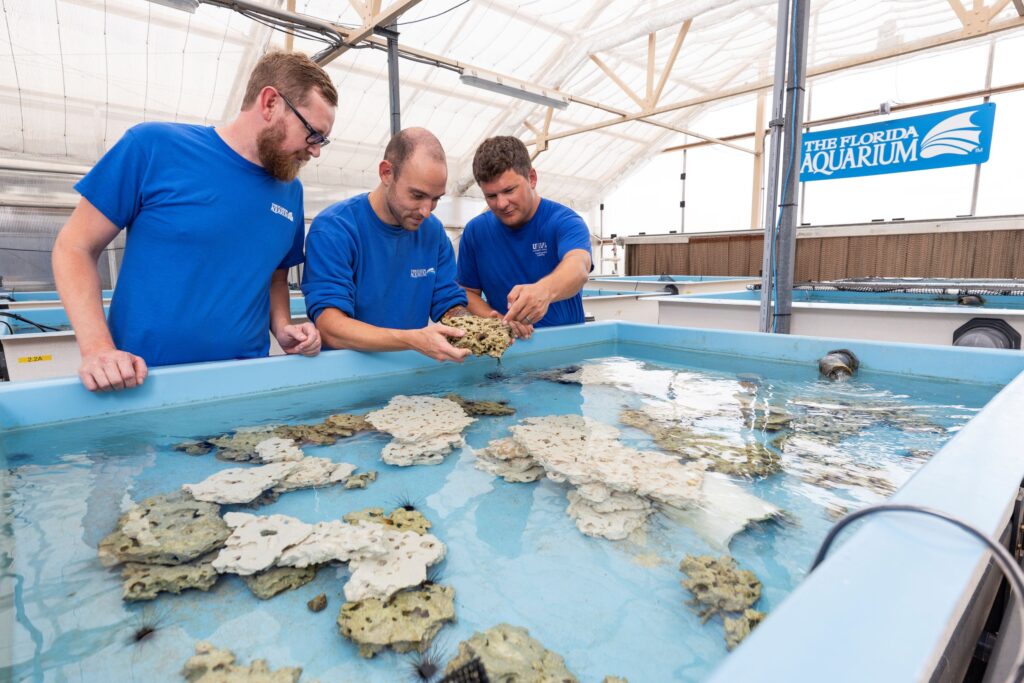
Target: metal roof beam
(987, 92)
(916, 46)
(376, 18)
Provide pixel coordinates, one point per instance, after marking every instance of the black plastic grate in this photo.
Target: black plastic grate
(471, 672)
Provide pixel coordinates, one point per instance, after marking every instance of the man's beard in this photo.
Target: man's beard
(283, 166)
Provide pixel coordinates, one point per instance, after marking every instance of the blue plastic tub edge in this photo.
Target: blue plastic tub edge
(961, 364)
(31, 404)
(35, 403)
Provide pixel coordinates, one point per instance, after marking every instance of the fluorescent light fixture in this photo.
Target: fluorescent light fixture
(513, 88)
(189, 6)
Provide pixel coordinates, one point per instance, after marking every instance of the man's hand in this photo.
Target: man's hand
(519, 330)
(432, 341)
(112, 370)
(527, 304)
(304, 339)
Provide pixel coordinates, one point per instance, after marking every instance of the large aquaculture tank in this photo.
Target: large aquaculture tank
(763, 454)
(911, 317)
(15, 299)
(673, 284)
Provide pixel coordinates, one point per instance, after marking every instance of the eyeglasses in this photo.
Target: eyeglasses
(315, 137)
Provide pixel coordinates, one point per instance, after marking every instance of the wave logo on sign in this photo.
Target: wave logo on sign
(955, 135)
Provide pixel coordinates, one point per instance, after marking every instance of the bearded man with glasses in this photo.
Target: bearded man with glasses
(215, 220)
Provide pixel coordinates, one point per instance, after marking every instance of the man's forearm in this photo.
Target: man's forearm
(280, 301)
(78, 283)
(339, 331)
(567, 279)
(477, 305)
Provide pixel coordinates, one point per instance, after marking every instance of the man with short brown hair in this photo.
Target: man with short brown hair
(528, 256)
(379, 266)
(214, 218)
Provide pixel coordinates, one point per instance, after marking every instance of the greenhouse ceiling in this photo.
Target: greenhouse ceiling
(636, 76)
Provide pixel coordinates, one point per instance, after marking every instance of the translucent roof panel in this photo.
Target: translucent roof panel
(75, 74)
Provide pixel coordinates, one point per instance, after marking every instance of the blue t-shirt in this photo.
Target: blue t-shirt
(377, 273)
(206, 231)
(495, 258)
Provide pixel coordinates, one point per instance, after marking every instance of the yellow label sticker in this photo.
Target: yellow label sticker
(34, 359)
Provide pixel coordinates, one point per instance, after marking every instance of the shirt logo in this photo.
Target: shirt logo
(281, 211)
(420, 272)
(540, 248)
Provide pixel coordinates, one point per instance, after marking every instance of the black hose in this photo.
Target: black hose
(38, 326)
(1013, 572)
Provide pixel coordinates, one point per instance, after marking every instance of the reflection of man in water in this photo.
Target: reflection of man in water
(112, 478)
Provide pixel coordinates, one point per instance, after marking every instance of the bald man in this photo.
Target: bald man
(379, 266)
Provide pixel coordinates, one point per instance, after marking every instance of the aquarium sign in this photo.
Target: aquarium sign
(950, 138)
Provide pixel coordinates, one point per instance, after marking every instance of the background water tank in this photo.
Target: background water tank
(989, 333)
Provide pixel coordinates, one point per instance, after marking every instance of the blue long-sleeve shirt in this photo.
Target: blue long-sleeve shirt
(377, 273)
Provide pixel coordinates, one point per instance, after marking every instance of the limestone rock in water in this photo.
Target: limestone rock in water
(726, 509)
(277, 449)
(241, 445)
(425, 429)
(427, 452)
(336, 541)
(256, 542)
(482, 407)
(239, 484)
(212, 665)
(736, 629)
(409, 520)
(403, 566)
(270, 582)
(615, 517)
(484, 336)
(407, 621)
(763, 417)
(347, 422)
(318, 603)
(400, 518)
(580, 450)
(194, 447)
(327, 432)
(510, 655)
(360, 481)
(718, 585)
(570, 374)
(414, 418)
(717, 452)
(508, 459)
(835, 420)
(168, 529)
(144, 581)
(614, 679)
(314, 472)
(375, 515)
(818, 463)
